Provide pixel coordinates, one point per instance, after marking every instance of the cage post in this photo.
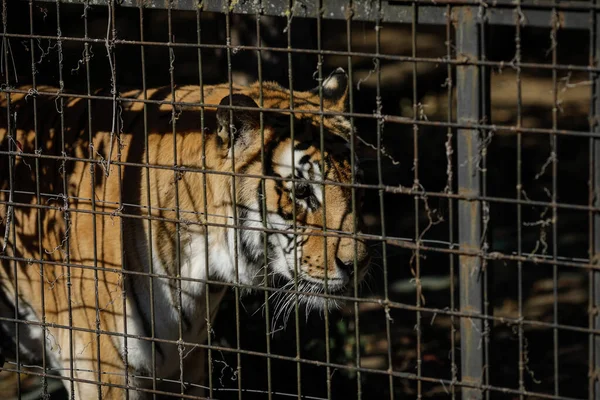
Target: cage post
(595, 182)
(468, 95)
(596, 244)
(596, 238)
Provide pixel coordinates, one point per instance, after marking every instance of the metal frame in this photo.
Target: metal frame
(573, 14)
(470, 19)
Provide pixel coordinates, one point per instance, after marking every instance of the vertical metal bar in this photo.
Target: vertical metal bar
(596, 253)
(290, 16)
(379, 148)
(205, 203)
(518, 21)
(485, 115)
(553, 151)
(148, 200)
(174, 117)
(116, 128)
(595, 200)
(66, 212)
(469, 212)
(324, 208)
(10, 210)
(91, 157)
(234, 193)
(38, 200)
(593, 300)
(355, 211)
(450, 189)
(417, 184)
(263, 205)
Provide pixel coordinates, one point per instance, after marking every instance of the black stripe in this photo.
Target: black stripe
(145, 323)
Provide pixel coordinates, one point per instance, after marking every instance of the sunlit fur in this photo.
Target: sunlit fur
(116, 220)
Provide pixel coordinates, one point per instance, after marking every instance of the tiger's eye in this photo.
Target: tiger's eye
(302, 191)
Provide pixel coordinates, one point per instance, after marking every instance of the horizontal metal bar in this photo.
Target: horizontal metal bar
(500, 65)
(572, 15)
(386, 118)
(400, 242)
(403, 375)
(381, 302)
(146, 378)
(388, 189)
(99, 383)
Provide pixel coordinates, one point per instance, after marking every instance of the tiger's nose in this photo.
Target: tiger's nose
(347, 267)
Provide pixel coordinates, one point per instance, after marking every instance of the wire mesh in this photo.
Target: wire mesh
(471, 178)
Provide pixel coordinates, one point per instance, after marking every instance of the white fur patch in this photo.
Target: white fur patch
(331, 83)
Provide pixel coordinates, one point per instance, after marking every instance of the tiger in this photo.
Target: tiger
(126, 219)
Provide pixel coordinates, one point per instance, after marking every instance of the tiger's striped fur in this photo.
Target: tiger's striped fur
(83, 232)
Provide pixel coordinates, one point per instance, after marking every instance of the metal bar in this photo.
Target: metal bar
(384, 247)
(530, 258)
(469, 213)
(209, 318)
(416, 183)
(289, 13)
(263, 205)
(151, 286)
(178, 245)
(380, 302)
(92, 155)
(553, 158)
(10, 225)
(45, 363)
(66, 213)
(115, 138)
(451, 214)
(595, 200)
(518, 196)
(234, 194)
(387, 189)
(500, 390)
(486, 137)
(596, 238)
(384, 117)
(353, 141)
(384, 57)
(574, 15)
(319, 14)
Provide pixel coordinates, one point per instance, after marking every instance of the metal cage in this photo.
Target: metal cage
(479, 136)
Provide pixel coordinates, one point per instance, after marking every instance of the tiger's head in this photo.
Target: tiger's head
(304, 213)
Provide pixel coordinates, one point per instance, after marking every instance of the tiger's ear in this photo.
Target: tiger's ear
(335, 90)
(235, 123)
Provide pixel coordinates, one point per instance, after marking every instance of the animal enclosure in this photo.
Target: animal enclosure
(475, 125)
